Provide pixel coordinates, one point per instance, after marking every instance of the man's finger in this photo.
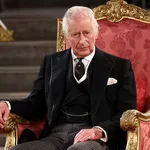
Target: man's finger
(81, 137)
(77, 138)
(6, 114)
(1, 119)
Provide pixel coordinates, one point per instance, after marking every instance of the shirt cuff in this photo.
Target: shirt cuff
(104, 139)
(9, 106)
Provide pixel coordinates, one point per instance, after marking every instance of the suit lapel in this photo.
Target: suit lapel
(101, 73)
(59, 67)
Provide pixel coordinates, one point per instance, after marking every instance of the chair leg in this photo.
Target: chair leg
(11, 139)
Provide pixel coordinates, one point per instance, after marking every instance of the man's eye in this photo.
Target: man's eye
(86, 32)
(75, 34)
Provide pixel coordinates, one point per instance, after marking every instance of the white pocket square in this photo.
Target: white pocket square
(111, 81)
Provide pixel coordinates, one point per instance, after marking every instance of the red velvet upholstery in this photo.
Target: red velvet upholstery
(144, 135)
(129, 39)
(141, 94)
(36, 127)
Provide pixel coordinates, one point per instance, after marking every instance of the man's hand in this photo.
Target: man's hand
(88, 134)
(4, 113)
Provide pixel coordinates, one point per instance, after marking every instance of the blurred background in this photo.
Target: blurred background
(9, 4)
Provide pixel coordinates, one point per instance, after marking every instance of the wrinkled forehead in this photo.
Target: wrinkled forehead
(80, 25)
(79, 20)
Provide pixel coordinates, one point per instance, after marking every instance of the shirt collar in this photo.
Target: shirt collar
(88, 58)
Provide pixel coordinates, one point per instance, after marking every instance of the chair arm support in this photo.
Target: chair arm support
(130, 122)
(11, 123)
(130, 119)
(10, 129)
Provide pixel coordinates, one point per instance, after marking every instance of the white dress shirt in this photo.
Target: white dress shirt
(86, 61)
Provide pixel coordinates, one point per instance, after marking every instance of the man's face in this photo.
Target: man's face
(81, 37)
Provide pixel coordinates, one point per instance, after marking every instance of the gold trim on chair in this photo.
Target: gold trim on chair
(60, 37)
(114, 11)
(5, 35)
(10, 129)
(130, 122)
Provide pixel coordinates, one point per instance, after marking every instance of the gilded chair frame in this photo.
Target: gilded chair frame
(130, 122)
(114, 11)
(6, 35)
(11, 131)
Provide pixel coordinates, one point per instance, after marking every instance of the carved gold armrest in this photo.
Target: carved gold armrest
(10, 129)
(130, 122)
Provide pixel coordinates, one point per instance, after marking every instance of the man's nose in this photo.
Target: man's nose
(82, 38)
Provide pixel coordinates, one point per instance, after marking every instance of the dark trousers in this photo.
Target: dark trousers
(61, 138)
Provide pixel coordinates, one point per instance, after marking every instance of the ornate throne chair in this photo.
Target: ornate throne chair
(124, 30)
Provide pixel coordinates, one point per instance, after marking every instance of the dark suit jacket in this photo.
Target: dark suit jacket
(108, 102)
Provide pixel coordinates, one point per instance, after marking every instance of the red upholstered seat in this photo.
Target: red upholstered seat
(36, 127)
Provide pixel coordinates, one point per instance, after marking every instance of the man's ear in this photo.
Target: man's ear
(66, 39)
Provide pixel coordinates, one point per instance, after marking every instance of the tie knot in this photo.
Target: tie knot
(80, 59)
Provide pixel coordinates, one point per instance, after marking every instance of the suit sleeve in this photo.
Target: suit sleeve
(126, 99)
(33, 107)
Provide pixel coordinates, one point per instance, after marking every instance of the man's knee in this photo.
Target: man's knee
(88, 145)
(75, 147)
(80, 146)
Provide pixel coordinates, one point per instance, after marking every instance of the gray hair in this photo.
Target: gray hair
(79, 11)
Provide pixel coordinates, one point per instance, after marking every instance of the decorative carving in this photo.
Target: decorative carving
(6, 35)
(132, 142)
(129, 119)
(130, 122)
(11, 131)
(144, 116)
(60, 37)
(116, 10)
(9, 125)
(11, 139)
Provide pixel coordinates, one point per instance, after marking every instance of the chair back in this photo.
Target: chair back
(124, 31)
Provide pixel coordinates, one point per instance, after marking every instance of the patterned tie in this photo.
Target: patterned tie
(79, 69)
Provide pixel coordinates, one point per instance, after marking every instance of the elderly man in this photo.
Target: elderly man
(82, 90)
